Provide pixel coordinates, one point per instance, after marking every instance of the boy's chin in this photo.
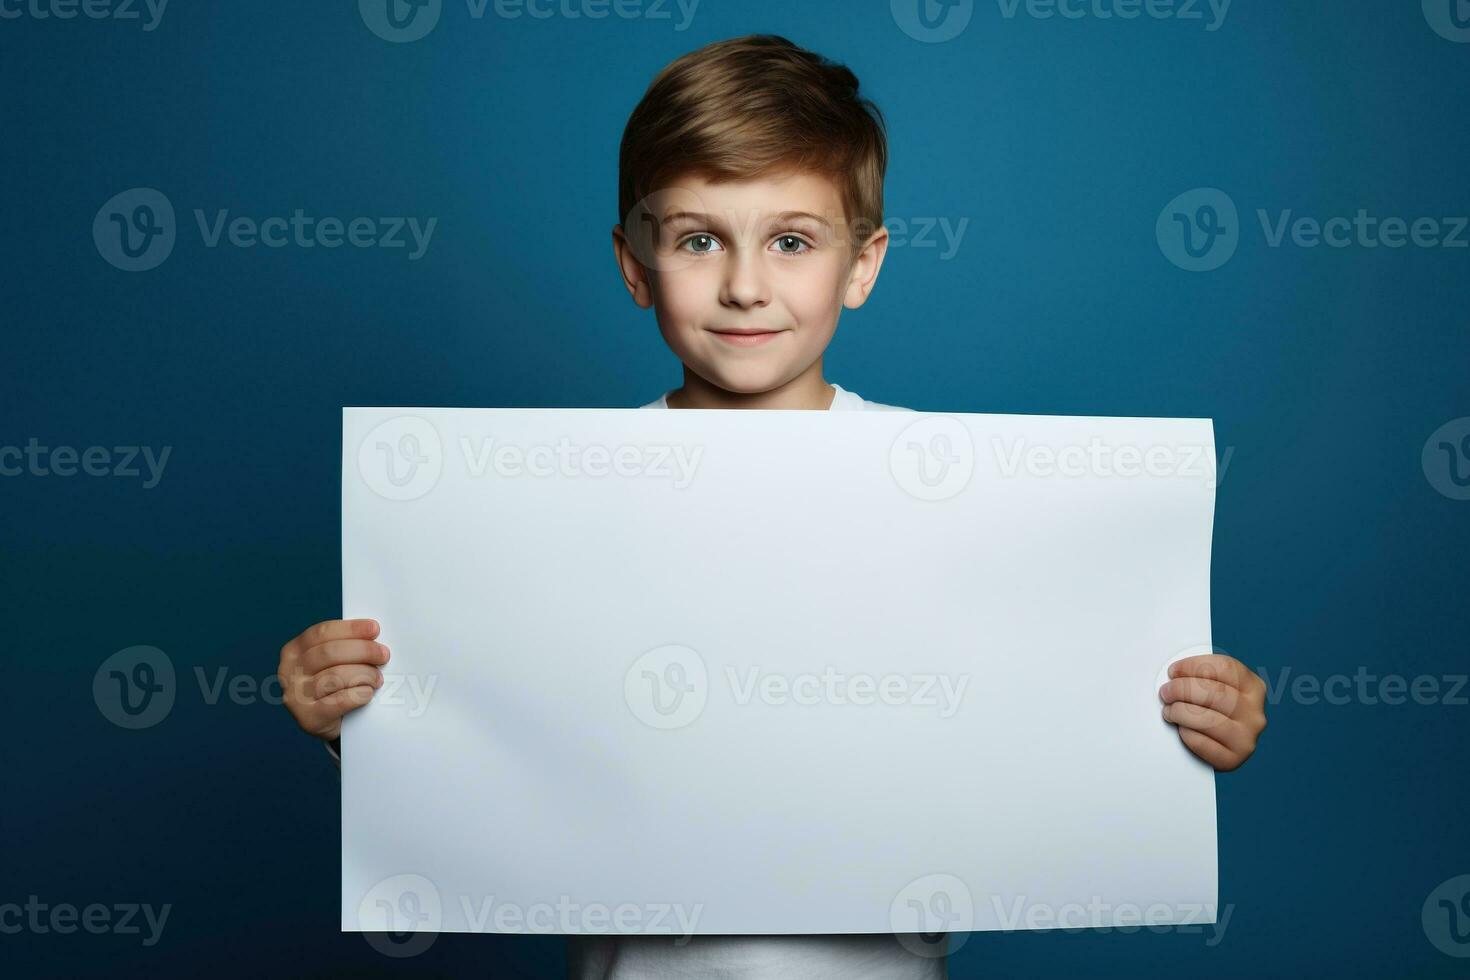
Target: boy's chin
(749, 379)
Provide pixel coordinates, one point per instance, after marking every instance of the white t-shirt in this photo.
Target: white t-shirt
(863, 957)
(843, 401)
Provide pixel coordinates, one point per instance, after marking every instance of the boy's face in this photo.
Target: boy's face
(747, 278)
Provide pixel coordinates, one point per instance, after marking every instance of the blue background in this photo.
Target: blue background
(1060, 141)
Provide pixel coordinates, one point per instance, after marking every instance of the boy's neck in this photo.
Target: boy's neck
(805, 391)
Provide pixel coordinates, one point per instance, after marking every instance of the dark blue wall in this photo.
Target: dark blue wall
(1061, 142)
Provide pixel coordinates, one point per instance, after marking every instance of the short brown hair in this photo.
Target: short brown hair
(752, 106)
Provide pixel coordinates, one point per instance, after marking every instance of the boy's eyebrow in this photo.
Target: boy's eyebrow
(699, 217)
(795, 215)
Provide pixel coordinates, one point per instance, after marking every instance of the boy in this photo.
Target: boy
(751, 198)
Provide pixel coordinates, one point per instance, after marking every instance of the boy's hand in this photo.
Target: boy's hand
(1219, 705)
(330, 669)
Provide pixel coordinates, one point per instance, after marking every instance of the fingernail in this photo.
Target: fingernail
(379, 681)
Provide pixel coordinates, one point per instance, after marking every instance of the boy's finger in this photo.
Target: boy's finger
(336, 652)
(1217, 755)
(338, 704)
(1188, 715)
(1211, 666)
(1203, 692)
(333, 629)
(335, 679)
(1208, 721)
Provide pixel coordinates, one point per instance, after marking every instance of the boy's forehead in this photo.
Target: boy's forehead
(791, 191)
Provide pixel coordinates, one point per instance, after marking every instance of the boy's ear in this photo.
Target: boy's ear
(635, 276)
(865, 266)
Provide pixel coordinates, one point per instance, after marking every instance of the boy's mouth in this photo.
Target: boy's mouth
(746, 338)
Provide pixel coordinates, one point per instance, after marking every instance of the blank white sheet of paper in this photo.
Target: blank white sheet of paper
(763, 672)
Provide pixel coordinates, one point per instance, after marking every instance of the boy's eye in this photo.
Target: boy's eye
(791, 245)
(701, 243)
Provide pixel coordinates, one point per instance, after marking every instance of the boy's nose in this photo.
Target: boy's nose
(744, 284)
